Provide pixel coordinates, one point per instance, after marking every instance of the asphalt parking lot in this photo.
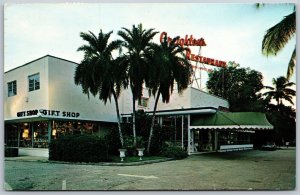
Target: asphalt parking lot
(244, 170)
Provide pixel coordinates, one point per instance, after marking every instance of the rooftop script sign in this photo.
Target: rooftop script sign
(191, 41)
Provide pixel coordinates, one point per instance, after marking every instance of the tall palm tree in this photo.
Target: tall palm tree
(98, 73)
(137, 42)
(281, 91)
(278, 36)
(169, 65)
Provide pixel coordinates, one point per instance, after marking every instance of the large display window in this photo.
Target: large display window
(39, 134)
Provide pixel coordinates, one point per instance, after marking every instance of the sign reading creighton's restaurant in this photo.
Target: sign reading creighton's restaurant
(191, 41)
(48, 113)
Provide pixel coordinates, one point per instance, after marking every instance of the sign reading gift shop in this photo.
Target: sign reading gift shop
(191, 41)
(44, 112)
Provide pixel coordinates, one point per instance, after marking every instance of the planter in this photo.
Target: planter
(122, 154)
(141, 152)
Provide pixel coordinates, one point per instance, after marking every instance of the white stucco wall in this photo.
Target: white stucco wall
(25, 100)
(177, 101)
(64, 95)
(189, 98)
(57, 92)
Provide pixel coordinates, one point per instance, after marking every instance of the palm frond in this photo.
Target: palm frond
(291, 65)
(278, 36)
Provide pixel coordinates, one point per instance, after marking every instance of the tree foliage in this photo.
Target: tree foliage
(240, 86)
(278, 36)
(137, 41)
(168, 66)
(281, 90)
(281, 116)
(98, 73)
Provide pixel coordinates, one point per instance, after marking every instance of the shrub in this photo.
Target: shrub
(11, 152)
(160, 136)
(79, 148)
(129, 145)
(174, 152)
(113, 141)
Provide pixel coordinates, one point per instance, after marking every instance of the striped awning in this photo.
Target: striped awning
(231, 120)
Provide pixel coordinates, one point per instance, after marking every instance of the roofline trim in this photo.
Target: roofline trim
(233, 127)
(180, 111)
(40, 59)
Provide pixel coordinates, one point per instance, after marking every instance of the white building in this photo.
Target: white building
(42, 102)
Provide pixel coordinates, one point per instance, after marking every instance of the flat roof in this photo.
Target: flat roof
(39, 59)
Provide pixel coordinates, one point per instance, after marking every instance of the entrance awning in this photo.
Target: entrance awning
(231, 120)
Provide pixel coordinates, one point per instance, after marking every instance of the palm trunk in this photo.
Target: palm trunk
(119, 120)
(133, 122)
(152, 122)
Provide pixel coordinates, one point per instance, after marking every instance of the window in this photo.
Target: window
(34, 82)
(143, 102)
(12, 88)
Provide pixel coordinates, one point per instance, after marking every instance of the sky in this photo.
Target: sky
(232, 32)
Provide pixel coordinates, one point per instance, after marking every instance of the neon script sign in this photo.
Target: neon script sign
(187, 41)
(191, 41)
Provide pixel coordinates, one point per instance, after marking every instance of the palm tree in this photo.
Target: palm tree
(98, 73)
(169, 65)
(280, 91)
(278, 36)
(137, 41)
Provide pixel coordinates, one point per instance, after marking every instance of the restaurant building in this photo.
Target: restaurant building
(41, 102)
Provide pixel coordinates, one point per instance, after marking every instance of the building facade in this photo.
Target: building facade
(41, 102)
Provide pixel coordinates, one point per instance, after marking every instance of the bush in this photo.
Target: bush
(11, 152)
(113, 141)
(174, 152)
(160, 136)
(79, 148)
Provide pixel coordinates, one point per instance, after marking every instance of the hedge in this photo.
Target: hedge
(174, 152)
(79, 148)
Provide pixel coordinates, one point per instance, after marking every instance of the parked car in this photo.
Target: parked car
(269, 147)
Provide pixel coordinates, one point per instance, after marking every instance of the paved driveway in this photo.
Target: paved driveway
(246, 170)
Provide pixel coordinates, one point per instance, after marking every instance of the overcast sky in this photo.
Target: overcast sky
(232, 32)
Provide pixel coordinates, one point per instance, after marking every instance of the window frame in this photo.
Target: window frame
(13, 87)
(143, 102)
(36, 80)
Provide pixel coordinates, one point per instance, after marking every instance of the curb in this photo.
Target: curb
(98, 164)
